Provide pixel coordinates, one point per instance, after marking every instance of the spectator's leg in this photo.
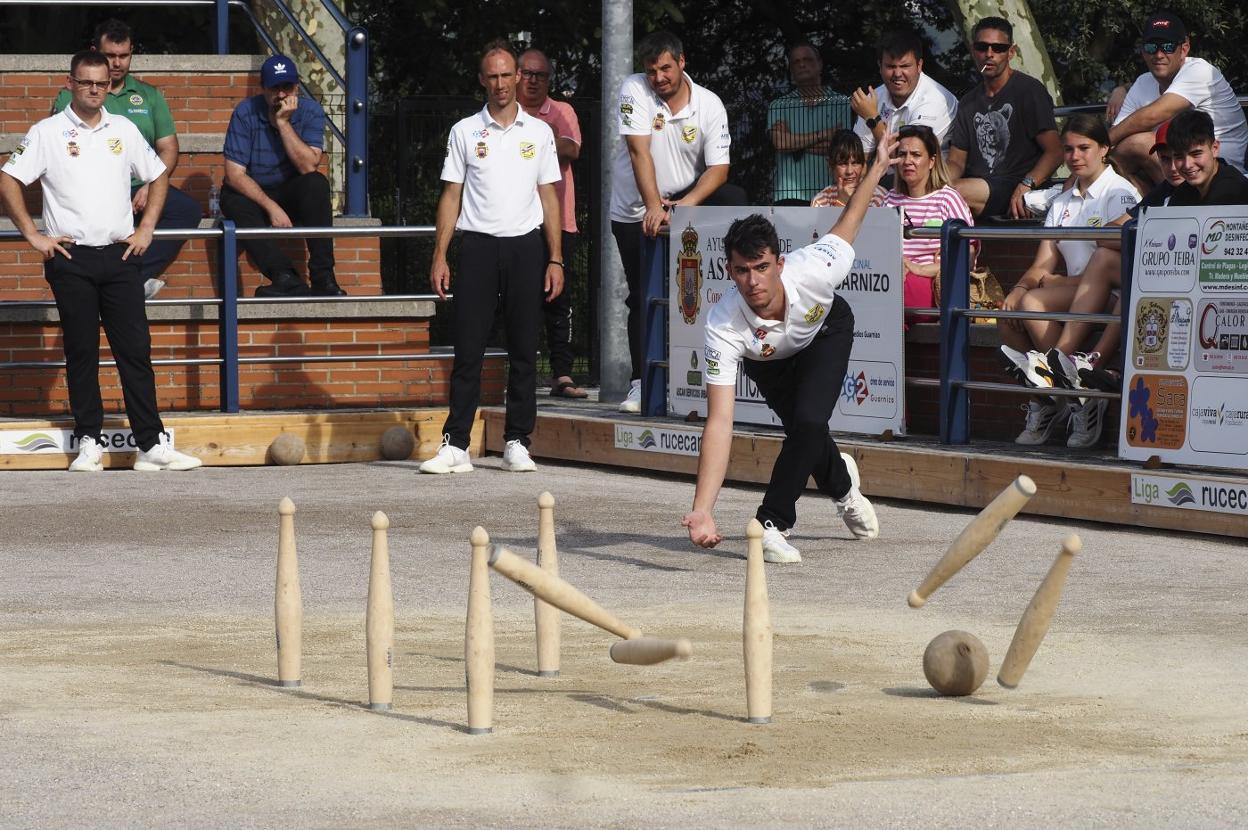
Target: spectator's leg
(1134, 161)
(306, 199)
(476, 284)
(247, 214)
(180, 212)
(1111, 338)
(523, 273)
(975, 192)
(558, 317)
(1044, 333)
(1102, 274)
(628, 240)
(78, 302)
(1014, 335)
(729, 195)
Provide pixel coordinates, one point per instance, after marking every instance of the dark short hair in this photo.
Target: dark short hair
(656, 43)
(751, 237)
(118, 31)
(1093, 126)
(846, 148)
(998, 23)
(1189, 128)
(900, 43)
(87, 57)
(497, 45)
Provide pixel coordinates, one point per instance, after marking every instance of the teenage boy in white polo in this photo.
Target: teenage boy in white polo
(84, 157)
(783, 324)
(675, 152)
(500, 173)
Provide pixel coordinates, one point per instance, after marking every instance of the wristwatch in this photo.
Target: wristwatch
(871, 122)
(1029, 181)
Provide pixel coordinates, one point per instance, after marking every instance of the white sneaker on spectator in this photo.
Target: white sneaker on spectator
(776, 548)
(516, 458)
(449, 459)
(858, 514)
(1015, 364)
(90, 456)
(854, 480)
(1042, 419)
(1086, 422)
(1038, 201)
(152, 287)
(632, 403)
(164, 457)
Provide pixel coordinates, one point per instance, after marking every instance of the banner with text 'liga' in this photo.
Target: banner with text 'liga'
(872, 395)
(1185, 367)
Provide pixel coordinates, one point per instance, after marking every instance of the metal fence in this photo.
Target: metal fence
(798, 131)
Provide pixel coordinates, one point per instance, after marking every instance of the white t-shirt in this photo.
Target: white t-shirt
(1204, 86)
(1109, 197)
(500, 169)
(930, 105)
(85, 174)
(683, 144)
(810, 277)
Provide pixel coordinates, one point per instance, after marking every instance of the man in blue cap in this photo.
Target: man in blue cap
(272, 150)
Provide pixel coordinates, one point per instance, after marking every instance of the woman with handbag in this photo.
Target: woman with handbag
(1099, 196)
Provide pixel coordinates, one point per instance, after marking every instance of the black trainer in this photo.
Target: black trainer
(327, 288)
(283, 284)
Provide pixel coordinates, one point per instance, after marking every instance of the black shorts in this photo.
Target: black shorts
(1000, 191)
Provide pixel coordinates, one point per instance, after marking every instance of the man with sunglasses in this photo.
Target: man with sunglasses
(1173, 83)
(1004, 141)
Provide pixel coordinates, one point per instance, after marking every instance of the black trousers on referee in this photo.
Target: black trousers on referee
(496, 270)
(96, 286)
(802, 390)
(558, 314)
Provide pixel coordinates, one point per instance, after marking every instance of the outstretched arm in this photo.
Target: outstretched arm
(850, 220)
(712, 464)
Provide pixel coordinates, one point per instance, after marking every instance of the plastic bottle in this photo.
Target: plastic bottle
(214, 202)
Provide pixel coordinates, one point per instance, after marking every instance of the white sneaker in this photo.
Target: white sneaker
(776, 548)
(164, 457)
(90, 456)
(1086, 422)
(152, 287)
(633, 402)
(858, 514)
(448, 460)
(855, 482)
(1042, 419)
(1038, 201)
(516, 458)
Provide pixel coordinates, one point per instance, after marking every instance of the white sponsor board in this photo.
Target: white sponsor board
(46, 441)
(1191, 493)
(1185, 362)
(657, 439)
(873, 390)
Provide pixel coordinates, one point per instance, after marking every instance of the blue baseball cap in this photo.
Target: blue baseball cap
(278, 70)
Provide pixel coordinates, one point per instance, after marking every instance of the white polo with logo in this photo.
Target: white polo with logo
(500, 169)
(1109, 197)
(929, 105)
(683, 144)
(810, 277)
(85, 173)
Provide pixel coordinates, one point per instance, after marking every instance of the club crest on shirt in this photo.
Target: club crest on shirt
(73, 149)
(483, 150)
(768, 350)
(70, 133)
(760, 334)
(689, 134)
(659, 121)
(626, 109)
(114, 146)
(527, 149)
(689, 275)
(1095, 221)
(136, 99)
(815, 314)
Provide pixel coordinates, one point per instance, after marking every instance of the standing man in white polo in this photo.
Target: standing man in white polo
(500, 173)
(84, 158)
(675, 152)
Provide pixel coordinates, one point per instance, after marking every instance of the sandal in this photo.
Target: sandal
(567, 389)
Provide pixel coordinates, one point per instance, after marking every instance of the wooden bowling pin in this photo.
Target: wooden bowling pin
(546, 616)
(1035, 622)
(479, 638)
(379, 620)
(288, 601)
(756, 630)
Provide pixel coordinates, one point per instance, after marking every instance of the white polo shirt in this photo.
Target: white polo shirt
(930, 105)
(810, 277)
(683, 144)
(85, 173)
(1109, 197)
(1205, 88)
(500, 169)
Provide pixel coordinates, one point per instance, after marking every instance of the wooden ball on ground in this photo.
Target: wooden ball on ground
(287, 449)
(955, 663)
(397, 444)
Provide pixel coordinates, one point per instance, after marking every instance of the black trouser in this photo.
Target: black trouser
(509, 270)
(802, 390)
(180, 211)
(306, 201)
(558, 315)
(97, 285)
(628, 239)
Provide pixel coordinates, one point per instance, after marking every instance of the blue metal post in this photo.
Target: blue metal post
(227, 322)
(955, 280)
(357, 122)
(1128, 276)
(654, 254)
(221, 15)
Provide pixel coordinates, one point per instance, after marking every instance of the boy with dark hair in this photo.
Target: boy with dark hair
(1207, 179)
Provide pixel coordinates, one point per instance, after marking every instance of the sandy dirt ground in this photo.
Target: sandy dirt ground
(137, 664)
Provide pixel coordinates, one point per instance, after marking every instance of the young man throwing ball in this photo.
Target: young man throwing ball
(786, 328)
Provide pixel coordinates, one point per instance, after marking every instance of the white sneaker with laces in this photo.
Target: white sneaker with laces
(776, 548)
(1042, 419)
(90, 456)
(859, 514)
(449, 459)
(1086, 422)
(152, 287)
(632, 403)
(164, 457)
(854, 480)
(516, 458)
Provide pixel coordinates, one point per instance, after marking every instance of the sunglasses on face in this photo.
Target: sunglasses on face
(914, 131)
(1168, 46)
(996, 48)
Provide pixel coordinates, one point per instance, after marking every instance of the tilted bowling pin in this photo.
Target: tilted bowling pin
(379, 620)
(1035, 622)
(288, 600)
(756, 630)
(479, 638)
(546, 616)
